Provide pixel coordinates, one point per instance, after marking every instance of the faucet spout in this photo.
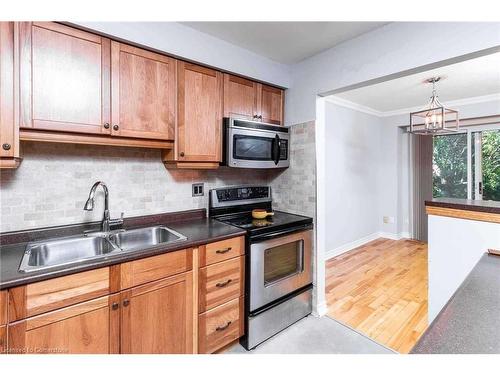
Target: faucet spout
(89, 205)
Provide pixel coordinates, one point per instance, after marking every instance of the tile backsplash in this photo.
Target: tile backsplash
(53, 181)
(295, 188)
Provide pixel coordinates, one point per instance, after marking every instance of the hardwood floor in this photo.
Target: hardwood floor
(380, 289)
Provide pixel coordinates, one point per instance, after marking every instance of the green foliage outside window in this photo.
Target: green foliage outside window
(450, 165)
(449, 177)
(491, 165)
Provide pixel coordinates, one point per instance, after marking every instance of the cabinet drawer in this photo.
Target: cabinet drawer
(43, 296)
(222, 250)
(220, 326)
(154, 268)
(220, 283)
(3, 307)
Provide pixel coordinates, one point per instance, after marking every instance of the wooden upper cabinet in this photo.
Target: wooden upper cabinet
(240, 97)
(143, 91)
(199, 122)
(9, 129)
(158, 317)
(64, 79)
(271, 104)
(253, 101)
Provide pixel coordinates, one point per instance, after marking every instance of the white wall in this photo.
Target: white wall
(352, 161)
(191, 44)
(394, 169)
(389, 50)
(455, 246)
(367, 174)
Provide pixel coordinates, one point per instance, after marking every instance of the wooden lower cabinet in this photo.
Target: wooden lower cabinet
(221, 326)
(158, 317)
(3, 339)
(82, 328)
(162, 304)
(220, 283)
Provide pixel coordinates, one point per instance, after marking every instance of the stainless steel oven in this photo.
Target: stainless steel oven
(279, 266)
(253, 144)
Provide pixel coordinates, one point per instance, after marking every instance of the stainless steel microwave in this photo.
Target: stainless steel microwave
(253, 144)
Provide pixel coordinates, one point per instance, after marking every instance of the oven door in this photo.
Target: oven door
(279, 267)
(256, 148)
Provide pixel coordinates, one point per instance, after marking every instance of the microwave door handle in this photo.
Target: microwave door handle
(277, 149)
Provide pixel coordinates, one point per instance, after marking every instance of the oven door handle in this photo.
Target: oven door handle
(269, 236)
(276, 149)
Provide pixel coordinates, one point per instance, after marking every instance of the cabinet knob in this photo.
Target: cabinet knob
(115, 306)
(6, 146)
(181, 154)
(106, 125)
(116, 127)
(126, 302)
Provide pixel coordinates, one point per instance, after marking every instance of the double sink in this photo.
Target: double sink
(74, 249)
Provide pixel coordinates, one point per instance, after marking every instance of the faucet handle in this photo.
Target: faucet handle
(117, 221)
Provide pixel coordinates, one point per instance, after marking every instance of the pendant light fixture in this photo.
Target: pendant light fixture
(435, 118)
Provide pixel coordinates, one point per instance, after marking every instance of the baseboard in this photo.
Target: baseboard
(320, 310)
(394, 236)
(351, 245)
(362, 241)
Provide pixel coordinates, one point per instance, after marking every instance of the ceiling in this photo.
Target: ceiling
(285, 42)
(468, 79)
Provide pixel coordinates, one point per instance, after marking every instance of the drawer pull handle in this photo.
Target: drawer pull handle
(126, 302)
(222, 285)
(223, 251)
(222, 328)
(115, 306)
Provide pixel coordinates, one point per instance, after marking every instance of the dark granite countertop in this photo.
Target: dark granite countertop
(193, 224)
(492, 207)
(470, 321)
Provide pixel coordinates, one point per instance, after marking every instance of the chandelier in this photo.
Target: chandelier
(435, 118)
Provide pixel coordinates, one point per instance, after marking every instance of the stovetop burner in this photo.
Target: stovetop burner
(234, 205)
(279, 221)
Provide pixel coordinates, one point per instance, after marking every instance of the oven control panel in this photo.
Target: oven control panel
(242, 193)
(239, 195)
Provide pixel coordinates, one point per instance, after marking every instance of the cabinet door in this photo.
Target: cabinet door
(271, 104)
(143, 92)
(3, 339)
(82, 328)
(64, 79)
(158, 317)
(9, 131)
(199, 122)
(240, 97)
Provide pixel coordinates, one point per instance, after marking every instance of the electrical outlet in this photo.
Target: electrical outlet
(388, 220)
(198, 190)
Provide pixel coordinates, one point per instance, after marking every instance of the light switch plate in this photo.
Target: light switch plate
(198, 190)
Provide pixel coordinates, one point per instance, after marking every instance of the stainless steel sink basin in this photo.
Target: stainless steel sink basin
(69, 250)
(137, 239)
(63, 251)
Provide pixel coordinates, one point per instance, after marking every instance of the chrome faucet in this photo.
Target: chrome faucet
(89, 206)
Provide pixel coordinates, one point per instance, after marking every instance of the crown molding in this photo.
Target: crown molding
(351, 105)
(452, 103)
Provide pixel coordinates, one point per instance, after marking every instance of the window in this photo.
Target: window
(467, 165)
(449, 166)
